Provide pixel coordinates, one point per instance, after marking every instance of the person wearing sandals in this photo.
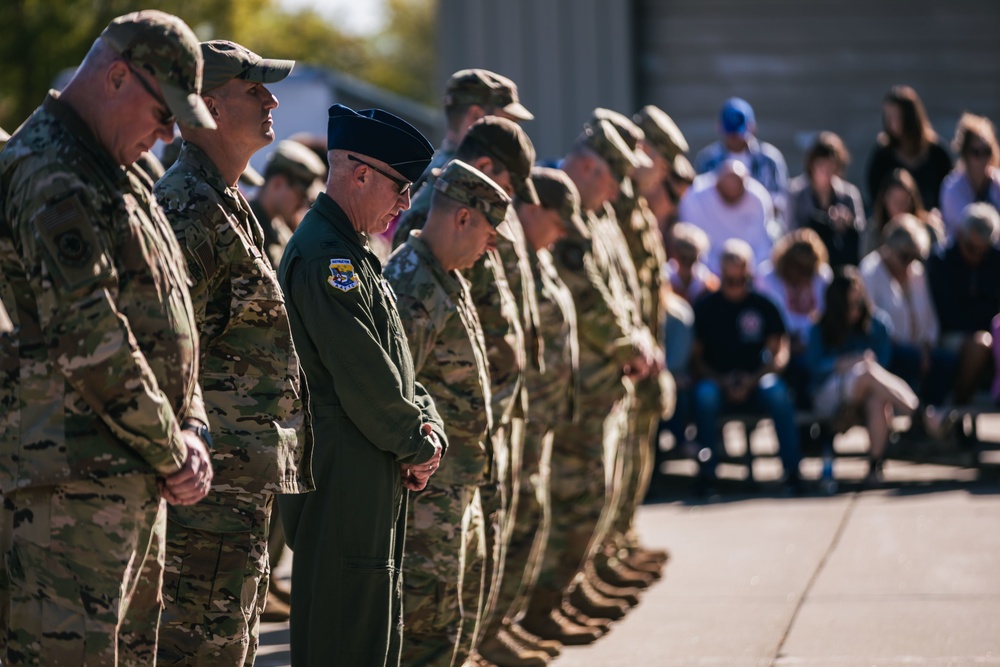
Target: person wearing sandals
(847, 355)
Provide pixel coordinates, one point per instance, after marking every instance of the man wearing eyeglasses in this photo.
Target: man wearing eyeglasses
(216, 573)
(378, 433)
(101, 403)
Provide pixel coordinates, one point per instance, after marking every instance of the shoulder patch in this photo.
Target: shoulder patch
(65, 230)
(342, 275)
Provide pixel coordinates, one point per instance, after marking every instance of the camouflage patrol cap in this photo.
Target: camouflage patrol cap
(298, 163)
(485, 88)
(603, 139)
(630, 133)
(556, 191)
(507, 142)
(661, 131)
(164, 46)
(251, 177)
(471, 187)
(225, 60)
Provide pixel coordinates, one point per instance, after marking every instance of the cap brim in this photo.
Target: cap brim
(503, 229)
(526, 192)
(642, 160)
(268, 71)
(189, 108)
(518, 111)
(625, 187)
(576, 222)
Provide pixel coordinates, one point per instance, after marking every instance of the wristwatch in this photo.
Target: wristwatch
(201, 431)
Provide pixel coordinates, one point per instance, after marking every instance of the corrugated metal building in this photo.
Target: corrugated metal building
(805, 65)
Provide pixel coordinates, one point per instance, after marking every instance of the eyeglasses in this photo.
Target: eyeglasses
(403, 186)
(166, 118)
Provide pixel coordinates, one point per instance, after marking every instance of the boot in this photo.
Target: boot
(644, 554)
(559, 629)
(504, 651)
(275, 611)
(616, 575)
(576, 616)
(595, 605)
(532, 641)
(627, 595)
(646, 567)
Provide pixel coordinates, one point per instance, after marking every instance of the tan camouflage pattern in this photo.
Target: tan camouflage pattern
(661, 132)
(249, 369)
(485, 88)
(101, 368)
(630, 133)
(215, 581)
(505, 141)
(602, 138)
(225, 60)
(449, 358)
(60, 608)
(438, 627)
(471, 187)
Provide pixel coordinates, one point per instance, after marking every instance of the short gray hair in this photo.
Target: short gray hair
(687, 234)
(907, 232)
(737, 251)
(982, 220)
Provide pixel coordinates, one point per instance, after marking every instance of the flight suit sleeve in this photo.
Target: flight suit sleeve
(74, 283)
(340, 322)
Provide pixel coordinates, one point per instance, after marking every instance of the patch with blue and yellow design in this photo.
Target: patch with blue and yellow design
(342, 275)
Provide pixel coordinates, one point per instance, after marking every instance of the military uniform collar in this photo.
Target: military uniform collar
(447, 279)
(80, 131)
(331, 211)
(195, 157)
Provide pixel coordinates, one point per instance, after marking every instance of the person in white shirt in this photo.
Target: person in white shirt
(728, 204)
(976, 176)
(894, 277)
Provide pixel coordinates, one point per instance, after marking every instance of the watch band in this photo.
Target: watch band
(201, 431)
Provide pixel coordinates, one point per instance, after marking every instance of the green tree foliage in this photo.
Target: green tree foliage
(40, 38)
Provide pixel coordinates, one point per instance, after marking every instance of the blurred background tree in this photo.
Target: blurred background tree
(40, 38)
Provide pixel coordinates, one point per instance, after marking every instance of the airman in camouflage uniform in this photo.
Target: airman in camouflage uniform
(501, 287)
(99, 377)
(217, 564)
(449, 356)
(611, 351)
(641, 257)
(469, 96)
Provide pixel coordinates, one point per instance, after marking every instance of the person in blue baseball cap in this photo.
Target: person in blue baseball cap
(738, 140)
(377, 433)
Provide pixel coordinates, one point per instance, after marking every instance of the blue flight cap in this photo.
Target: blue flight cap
(380, 135)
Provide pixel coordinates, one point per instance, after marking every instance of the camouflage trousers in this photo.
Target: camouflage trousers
(78, 557)
(530, 532)
(442, 606)
(583, 458)
(215, 580)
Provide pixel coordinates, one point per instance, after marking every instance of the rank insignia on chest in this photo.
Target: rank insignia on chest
(342, 275)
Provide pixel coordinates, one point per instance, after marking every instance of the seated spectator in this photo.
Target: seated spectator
(765, 163)
(976, 177)
(821, 200)
(729, 204)
(908, 141)
(894, 278)
(739, 351)
(964, 279)
(847, 354)
(689, 277)
(795, 279)
(899, 195)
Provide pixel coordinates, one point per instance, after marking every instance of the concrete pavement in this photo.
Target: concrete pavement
(905, 575)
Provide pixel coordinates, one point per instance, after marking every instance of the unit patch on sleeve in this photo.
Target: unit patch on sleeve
(342, 275)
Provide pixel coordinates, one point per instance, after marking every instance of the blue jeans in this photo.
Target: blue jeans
(770, 398)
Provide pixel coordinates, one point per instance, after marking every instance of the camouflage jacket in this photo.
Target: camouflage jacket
(449, 356)
(554, 387)
(645, 244)
(351, 342)
(415, 216)
(102, 365)
(606, 336)
(499, 315)
(249, 369)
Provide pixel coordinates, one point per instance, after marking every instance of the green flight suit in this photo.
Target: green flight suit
(367, 409)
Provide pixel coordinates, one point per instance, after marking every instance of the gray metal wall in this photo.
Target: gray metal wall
(567, 57)
(809, 65)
